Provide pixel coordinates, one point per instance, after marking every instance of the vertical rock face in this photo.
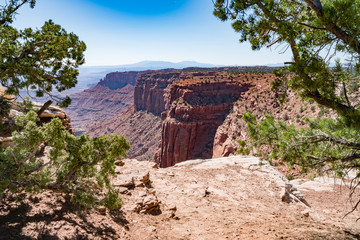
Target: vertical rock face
(197, 107)
(150, 90)
(116, 80)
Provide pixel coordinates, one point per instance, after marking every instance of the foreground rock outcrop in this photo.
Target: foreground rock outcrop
(45, 117)
(226, 198)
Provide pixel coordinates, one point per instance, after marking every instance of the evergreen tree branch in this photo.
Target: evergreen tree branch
(325, 138)
(38, 168)
(32, 154)
(333, 28)
(10, 10)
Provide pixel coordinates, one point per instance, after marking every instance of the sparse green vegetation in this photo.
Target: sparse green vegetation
(43, 60)
(290, 177)
(286, 117)
(79, 166)
(322, 30)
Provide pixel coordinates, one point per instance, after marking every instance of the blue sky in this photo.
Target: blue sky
(125, 32)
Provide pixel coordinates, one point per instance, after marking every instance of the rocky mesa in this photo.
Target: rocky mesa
(150, 90)
(197, 107)
(187, 114)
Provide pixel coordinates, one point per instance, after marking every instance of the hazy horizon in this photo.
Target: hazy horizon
(185, 61)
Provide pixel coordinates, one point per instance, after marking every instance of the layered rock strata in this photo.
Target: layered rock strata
(150, 90)
(112, 95)
(197, 107)
(140, 128)
(116, 80)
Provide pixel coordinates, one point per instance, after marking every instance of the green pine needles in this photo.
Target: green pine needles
(327, 143)
(314, 32)
(80, 166)
(43, 60)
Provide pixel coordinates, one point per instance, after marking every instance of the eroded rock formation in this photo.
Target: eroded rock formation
(197, 107)
(202, 111)
(140, 128)
(150, 90)
(116, 80)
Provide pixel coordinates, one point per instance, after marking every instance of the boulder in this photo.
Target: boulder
(148, 204)
(124, 181)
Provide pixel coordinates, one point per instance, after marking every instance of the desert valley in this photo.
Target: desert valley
(108, 131)
(183, 178)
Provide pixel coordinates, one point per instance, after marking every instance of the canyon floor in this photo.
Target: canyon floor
(227, 198)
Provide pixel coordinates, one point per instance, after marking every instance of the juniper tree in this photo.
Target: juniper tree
(80, 166)
(43, 60)
(314, 31)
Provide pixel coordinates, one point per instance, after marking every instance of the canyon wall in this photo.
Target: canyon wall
(150, 90)
(197, 107)
(201, 111)
(140, 123)
(142, 129)
(112, 95)
(116, 80)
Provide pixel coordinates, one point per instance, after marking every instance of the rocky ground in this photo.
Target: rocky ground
(226, 198)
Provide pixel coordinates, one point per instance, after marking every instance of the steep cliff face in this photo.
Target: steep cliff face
(116, 80)
(197, 107)
(260, 100)
(140, 123)
(201, 111)
(150, 90)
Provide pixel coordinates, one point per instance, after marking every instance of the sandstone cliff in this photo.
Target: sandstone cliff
(260, 100)
(116, 80)
(201, 112)
(197, 107)
(150, 90)
(140, 123)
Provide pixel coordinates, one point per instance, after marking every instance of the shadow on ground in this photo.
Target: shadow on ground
(35, 218)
